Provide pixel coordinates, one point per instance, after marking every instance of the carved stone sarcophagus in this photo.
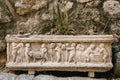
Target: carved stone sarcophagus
(85, 53)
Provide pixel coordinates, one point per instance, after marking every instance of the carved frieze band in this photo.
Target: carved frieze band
(58, 52)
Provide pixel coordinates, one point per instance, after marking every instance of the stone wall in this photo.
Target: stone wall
(59, 17)
(9, 76)
(64, 17)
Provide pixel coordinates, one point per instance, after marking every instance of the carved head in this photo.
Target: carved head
(59, 44)
(14, 44)
(27, 45)
(101, 45)
(63, 46)
(43, 45)
(73, 44)
(92, 46)
(66, 44)
(78, 46)
(52, 45)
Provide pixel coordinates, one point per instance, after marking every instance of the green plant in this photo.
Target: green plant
(60, 20)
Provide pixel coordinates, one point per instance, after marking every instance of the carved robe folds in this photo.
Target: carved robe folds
(87, 53)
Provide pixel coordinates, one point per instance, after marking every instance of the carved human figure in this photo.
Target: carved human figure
(79, 50)
(43, 51)
(103, 51)
(51, 51)
(63, 47)
(66, 52)
(20, 57)
(14, 51)
(71, 52)
(27, 51)
(58, 52)
(88, 51)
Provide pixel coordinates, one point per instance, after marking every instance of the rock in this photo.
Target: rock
(117, 65)
(90, 3)
(39, 4)
(115, 79)
(115, 29)
(25, 6)
(83, 1)
(4, 18)
(85, 78)
(118, 56)
(30, 25)
(93, 3)
(7, 76)
(64, 7)
(2, 46)
(24, 77)
(115, 48)
(47, 77)
(46, 16)
(22, 7)
(44, 77)
(67, 6)
(60, 78)
(89, 14)
(112, 7)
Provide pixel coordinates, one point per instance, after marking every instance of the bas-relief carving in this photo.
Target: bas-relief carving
(17, 52)
(59, 53)
(79, 52)
(89, 53)
(39, 55)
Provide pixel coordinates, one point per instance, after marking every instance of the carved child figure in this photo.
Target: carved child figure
(20, 57)
(79, 50)
(66, 52)
(58, 51)
(43, 51)
(71, 52)
(103, 51)
(14, 51)
(51, 51)
(63, 47)
(27, 51)
(88, 51)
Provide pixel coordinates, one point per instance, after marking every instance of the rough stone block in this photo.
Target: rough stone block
(7, 76)
(25, 77)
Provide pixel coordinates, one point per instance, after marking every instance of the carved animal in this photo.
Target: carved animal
(37, 55)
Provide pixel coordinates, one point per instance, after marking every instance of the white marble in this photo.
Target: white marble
(88, 53)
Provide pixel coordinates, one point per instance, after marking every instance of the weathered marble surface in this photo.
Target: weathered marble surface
(90, 53)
